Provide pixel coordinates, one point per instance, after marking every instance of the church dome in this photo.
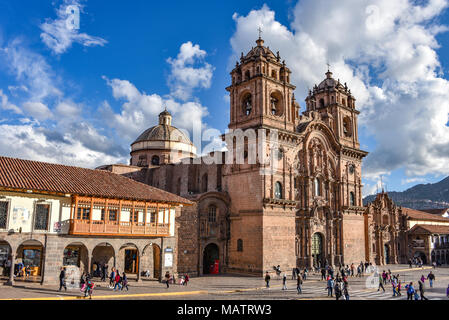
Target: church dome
(330, 83)
(161, 144)
(164, 131)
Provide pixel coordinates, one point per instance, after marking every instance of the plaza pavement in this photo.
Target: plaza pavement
(236, 287)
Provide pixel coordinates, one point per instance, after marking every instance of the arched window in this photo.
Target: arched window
(274, 103)
(155, 160)
(240, 245)
(278, 190)
(274, 74)
(347, 128)
(321, 103)
(247, 104)
(352, 198)
(317, 186)
(247, 75)
(212, 214)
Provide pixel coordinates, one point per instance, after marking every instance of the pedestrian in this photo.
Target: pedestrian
(293, 273)
(346, 290)
(305, 272)
(431, 278)
(338, 291)
(399, 288)
(89, 288)
(186, 279)
(118, 281)
(104, 272)
(410, 291)
(323, 274)
(62, 280)
(112, 278)
(284, 282)
(167, 279)
(299, 284)
(410, 263)
(267, 279)
(384, 277)
(124, 282)
(447, 291)
(381, 286)
(421, 290)
(352, 269)
(330, 286)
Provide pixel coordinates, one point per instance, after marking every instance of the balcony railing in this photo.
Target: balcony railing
(124, 228)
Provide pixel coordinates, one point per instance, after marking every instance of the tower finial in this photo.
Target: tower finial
(259, 41)
(328, 73)
(260, 32)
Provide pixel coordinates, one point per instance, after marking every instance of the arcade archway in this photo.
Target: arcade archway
(317, 249)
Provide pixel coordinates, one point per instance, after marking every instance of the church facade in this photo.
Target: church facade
(306, 210)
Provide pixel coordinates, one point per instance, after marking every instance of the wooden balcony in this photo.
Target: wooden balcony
(115, 228)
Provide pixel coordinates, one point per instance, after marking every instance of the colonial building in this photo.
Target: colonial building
(54, 215)
(397, 234)
(303, 209)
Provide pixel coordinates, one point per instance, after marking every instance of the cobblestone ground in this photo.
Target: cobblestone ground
(236, 287)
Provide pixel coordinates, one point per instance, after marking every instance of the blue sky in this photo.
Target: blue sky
(81, 97)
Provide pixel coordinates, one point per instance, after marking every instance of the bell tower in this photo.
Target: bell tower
(261, 93)
(336, 105)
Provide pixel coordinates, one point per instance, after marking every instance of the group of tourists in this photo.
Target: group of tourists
(338, 286)
(417, 261)
(117, 281)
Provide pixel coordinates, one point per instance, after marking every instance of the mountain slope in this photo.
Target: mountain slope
(421, 196)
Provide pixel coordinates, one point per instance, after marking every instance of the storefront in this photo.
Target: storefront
(71, 256)
(131, 261)
(32, 257)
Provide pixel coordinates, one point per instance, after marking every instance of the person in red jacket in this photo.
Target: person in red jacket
(118, 281)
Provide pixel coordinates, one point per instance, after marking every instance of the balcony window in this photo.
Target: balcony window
(212, 214)
(3, 214)
(41, 217)
(83, 214)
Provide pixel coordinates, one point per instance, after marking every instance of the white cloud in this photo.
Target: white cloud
(386, 52)
(37, 110)
(139, 110)
(6, 105)
(59, 37)
(189, 71)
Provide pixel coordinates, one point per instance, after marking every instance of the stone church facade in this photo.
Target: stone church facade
(303, 209)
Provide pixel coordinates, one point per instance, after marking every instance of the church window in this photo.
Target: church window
(274, 74)
(278, 190)
(317, 187)
(155, 160)
(240, 245)
(352, 198)
(343, 101)
(347, 127)
(212, 214)
(321, 103)
(280, 153)
(258, 70)
(247, 75)
(247, 105)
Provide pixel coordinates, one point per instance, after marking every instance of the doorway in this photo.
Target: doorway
(387, 254)
(131, 261)
(317, 249)
(211, 259)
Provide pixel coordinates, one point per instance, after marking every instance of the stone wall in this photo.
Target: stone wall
(353, 238)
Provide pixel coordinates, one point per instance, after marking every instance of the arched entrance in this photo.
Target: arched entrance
(102, 255)
(130, 255)
(210, 259)
(387, 253)
(420, 254)
(5, 259)
(151, 261)
(29, 255)
(317, 249)
(76, 254)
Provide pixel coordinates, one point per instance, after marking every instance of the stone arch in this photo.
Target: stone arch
(151, 261)
(276, 103)
(103, 253)
(128, 258)
(246, 102)
(76, 254)
(318, 254)
(31, 253)
(6, 253)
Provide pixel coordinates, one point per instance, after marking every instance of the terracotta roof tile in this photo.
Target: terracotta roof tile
(42, 176)
(436, 211)
(420, 215)
(430, 229)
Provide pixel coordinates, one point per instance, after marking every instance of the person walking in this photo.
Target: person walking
(346, 290)
(338, 289)
(381, 286)
(267, 279)
(431, 278)
(89, 288)
(112, 278)
(352, 269)
(124, 282)
(299, 284)
(284, 282)
(305, 273)
(330, 286)
(118, 281)
(323, 274)
(62, 280)
(186, 279)
(421, 290)
(167, 279)
(410, 263)
(410, 291)
(104, 272)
